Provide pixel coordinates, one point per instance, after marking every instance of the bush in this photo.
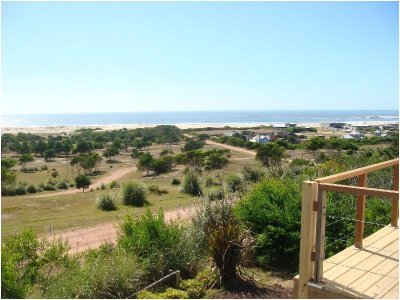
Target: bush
(71, 185)
(225, 239)
(161, 165)
(175, 181)
(191, 183)
(29, 169)
(235, 183)
(216, 194)
(272, 210)
(194, 288)
(211, 182)
(133, 193)
(8, 190)
(62, 185)
(20, 190)
(106, 202)
(48, 187)
(160, 245)
(253, 174)
(103, 186)
(82, 182)
(101, 275)
(114, 184)
(169, 293)
(44, 167)
(19, 263)
(31, 189)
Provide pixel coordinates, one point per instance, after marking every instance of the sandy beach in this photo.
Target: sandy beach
(48, 130)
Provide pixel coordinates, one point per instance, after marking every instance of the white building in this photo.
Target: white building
(262, 139)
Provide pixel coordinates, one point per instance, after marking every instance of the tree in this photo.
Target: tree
(192, 145)
(145, 161)
(110, 151)
(162, 164)
(215, 161)
(24, 158)
(54, 174)
(271, 156)
(40, 147)
(82, 182)
(83, 147)
(314, 144)
(49, 154)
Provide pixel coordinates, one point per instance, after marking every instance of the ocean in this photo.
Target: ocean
(201, 117)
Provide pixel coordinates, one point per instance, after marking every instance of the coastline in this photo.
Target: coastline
(71, 128)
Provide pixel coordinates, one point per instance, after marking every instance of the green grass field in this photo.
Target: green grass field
(64, 212)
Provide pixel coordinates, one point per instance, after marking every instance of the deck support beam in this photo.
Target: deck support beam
(307, 239)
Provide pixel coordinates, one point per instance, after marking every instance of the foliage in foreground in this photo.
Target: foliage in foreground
(272, 211)
(224, 238)
(162, 246)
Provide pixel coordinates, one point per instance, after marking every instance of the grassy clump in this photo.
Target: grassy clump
(31, 189)
(160, 245)
(106, 202)
(133, 193)
(191, 183)
(156, 190)
(43, 168)
(13, 190)
(235, 183)
(216, 194)
(175, 181)
(114, 184)
(194, 288)
(253, 174)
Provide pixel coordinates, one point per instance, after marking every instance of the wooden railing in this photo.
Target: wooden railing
(313, 216)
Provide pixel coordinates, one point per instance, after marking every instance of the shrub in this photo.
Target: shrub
(62, 185)
(162, 165)
(272, 211)
(133, 193)
(216, 194)
(160, 245)
(169, 293)
(253, 174)
(114, 184)
(82, 182)
(225, 239)
(31, 189)
(106, 202)
(8, 190)
(101, 275)
(235, 183)
(211, 182)
(20, 190)
(44, 167)
(194, 288)
(191, 183)
(71, 185)
(19, 263)
(103, 186)
(29, 170)
(175, 181)
(48, 187)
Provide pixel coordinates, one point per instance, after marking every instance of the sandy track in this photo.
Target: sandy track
(116, 174)
(92, 237)
(239, 149)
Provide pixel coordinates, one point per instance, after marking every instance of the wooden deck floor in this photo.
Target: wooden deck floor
(371, 272)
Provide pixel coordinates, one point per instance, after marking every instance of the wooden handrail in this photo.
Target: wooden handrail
(358, 190)
(357, 172)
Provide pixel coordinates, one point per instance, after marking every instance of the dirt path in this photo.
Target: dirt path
(116, 174)
(92, 237)
(234, 148)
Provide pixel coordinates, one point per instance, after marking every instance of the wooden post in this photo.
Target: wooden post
(320, 236)
(177, 278)
(307, 237)
(360, 213)
(395, 201)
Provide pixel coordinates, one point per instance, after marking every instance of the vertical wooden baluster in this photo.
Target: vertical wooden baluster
(360, 213)
(395, 201)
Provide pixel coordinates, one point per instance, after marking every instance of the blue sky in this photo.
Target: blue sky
(132, 56)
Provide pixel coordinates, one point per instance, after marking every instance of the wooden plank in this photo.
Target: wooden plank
(360, 212)
(358, 190)
(395, 200)
(307, 237)
(320, 236)
(359, 171)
